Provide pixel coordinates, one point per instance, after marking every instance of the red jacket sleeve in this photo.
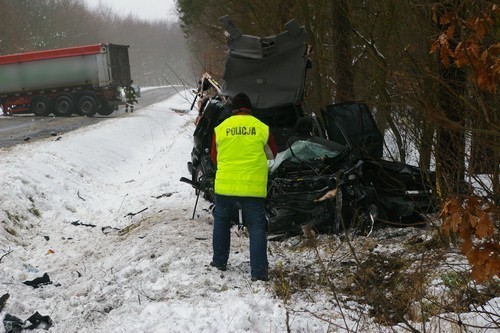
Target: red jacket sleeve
(213, 151)
(272, 144)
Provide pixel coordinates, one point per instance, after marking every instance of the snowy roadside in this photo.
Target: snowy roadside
(101, 210)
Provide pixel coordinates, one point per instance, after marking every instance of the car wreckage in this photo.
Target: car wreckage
(337, 182)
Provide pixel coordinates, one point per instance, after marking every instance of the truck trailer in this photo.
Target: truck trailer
(82, 80)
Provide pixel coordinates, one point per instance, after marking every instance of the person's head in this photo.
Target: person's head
(241, 102)
(304, 126)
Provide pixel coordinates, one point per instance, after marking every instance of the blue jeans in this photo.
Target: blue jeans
(254, 217)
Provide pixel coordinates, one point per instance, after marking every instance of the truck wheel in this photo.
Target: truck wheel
(63, 106)
(40, 106)
(87, 106)
(106, 110)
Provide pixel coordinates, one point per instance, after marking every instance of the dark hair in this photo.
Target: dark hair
(241, 101)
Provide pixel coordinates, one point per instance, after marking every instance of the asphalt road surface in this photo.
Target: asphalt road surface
(22, 129)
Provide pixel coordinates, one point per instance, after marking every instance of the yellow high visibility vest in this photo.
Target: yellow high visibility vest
(241, 158)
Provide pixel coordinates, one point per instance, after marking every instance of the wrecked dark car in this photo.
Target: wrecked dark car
(347, 184)
(333, 183)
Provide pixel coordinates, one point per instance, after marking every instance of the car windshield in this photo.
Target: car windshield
(302, 151)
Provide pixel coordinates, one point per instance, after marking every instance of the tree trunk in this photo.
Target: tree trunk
(450, 152)
(341, 34)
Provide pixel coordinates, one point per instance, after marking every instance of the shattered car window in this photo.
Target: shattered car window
(301, 151)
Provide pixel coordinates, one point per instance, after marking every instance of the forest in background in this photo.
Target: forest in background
(158, 53)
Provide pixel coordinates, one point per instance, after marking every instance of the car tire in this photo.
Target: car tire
(206, 194)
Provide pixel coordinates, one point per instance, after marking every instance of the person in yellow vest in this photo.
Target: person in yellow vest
(241, 146)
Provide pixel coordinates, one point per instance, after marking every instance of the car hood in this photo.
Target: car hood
(270, 70)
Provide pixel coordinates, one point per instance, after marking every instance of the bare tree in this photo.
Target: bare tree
(343, 61)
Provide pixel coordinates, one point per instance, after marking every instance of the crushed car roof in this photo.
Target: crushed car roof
(270, 70)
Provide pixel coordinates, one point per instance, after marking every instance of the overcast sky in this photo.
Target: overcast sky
(143, 9)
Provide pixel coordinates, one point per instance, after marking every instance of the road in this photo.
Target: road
(21, 129)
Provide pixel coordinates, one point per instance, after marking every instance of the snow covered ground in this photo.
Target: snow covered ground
(101, 210)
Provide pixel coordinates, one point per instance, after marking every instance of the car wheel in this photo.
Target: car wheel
(200, 178)
(40, 106)
(63, 106)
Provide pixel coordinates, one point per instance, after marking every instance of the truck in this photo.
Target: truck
(82, 80)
